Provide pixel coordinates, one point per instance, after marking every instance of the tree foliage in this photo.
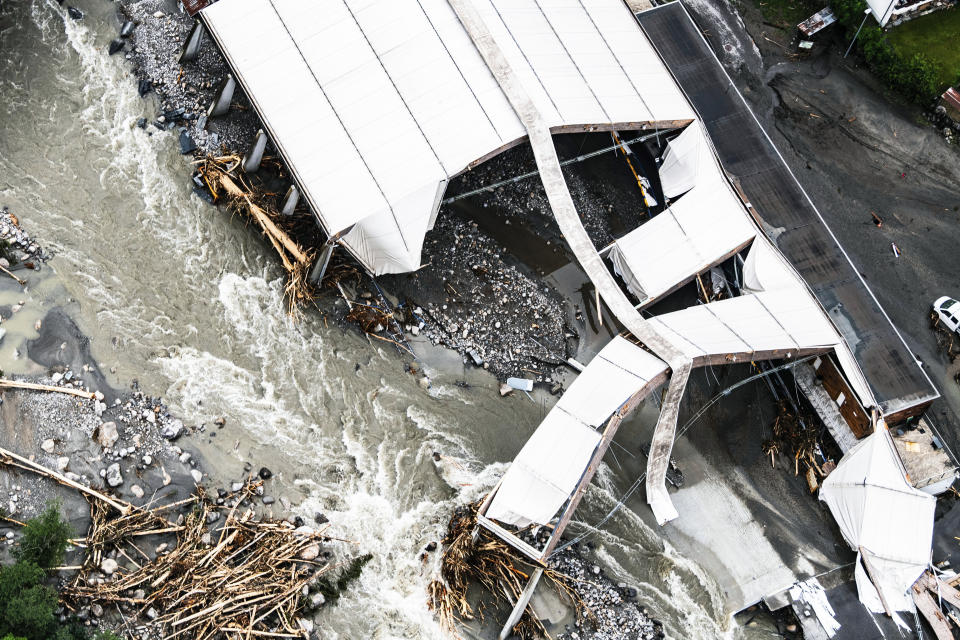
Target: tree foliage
(913, 77)
(45, 539)
(28, 604)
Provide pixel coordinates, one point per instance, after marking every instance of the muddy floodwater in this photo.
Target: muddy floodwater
(177, 295)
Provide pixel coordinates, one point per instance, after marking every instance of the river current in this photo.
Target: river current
(178, 295)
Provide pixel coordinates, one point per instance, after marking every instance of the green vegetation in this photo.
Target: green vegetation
(27, 602)
(44, 540)
(913, 75)
(936, 37)
(788, 13)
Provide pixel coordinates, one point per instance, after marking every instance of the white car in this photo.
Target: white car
(948, 310)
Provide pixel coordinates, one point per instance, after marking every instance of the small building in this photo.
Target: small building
(950, 101)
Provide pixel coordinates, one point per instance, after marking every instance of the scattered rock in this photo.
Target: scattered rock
(113, 475)
(107, 434)
(116, 46)
(311, 552)
(136, 491)
(75, 13)
(197, 476)
(265, 473)
(108, 566)
(172, 430)
(48, 445)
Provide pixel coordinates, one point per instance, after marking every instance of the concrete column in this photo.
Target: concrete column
(191, 46)
(320, 266)
(221, 103)
(290, 200)
(251, 161)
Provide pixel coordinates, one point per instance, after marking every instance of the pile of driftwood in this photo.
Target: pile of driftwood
(244, 579)
(798, 440)
(226, 575)
(227, 183)
(492, 565)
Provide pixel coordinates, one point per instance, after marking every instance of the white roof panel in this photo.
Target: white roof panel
(376, 103)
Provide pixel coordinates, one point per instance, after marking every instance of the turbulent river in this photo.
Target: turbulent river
(175, 294)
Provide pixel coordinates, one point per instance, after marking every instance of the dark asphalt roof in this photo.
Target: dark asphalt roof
(787, 215)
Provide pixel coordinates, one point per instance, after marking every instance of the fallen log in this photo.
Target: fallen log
(16, 384)
(9, 458)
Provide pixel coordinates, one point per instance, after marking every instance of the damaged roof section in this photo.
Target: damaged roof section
(374, 106)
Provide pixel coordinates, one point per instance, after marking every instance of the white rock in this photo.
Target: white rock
(185, 457)
(158, 14)
(317, 599)
(197, 476)
(236, 486)
(63, 463)
(311, 552)
(57, 377)
(98, 395)
(306, 624)
(149, 416)
(113, 476)
(136, 490)
(107, 434)
(166, 477)
(108, 566)
(147, 460)
(47, 445)
(172, 430)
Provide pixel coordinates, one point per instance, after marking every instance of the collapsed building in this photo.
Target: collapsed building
(376, 106)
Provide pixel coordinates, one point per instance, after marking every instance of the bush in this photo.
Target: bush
(27, 604)
(45, 539)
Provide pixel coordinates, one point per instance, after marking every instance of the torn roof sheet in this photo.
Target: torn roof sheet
(552, 461)
(375, 104)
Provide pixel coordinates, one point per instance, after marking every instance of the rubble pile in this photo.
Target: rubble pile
(611, 611)
(604, 610)
(606, 214)
(18, 247)
(493, 313)
(184, 91)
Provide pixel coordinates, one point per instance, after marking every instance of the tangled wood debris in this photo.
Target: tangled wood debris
(225, 183)
(798, 440)
(245, 578)
(491, 564)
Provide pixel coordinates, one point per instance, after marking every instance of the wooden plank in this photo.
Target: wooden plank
(873, 578)
(836, 387)
(521, 604)
(928, 607)
(510, 539)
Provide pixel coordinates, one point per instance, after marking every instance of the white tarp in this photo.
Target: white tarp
(551, 463)
(882, 10)
(687, 161)
(701, 229)
(375, 104)
(619, 371)
(765, 270)
(880, 512)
